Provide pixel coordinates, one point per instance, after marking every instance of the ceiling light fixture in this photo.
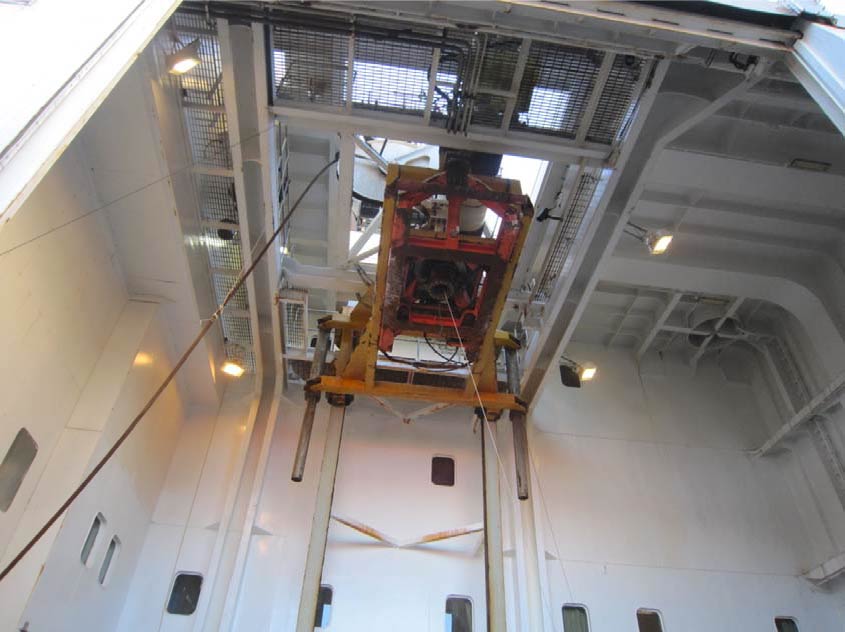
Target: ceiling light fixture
(233, 368)
(143, 359)
(657, 241)
(573, 374)
(588, 372)
(184, 59)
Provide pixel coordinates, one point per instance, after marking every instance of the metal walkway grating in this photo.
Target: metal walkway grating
(392, 66)
(223, 254)
(208, 135)
(310, 66)
(616, 103)
(390, 75)
(217, 198)
(556, 85)
(569, 226)
(202, 85)
(488, 110)
(222, 284)
(499, 63)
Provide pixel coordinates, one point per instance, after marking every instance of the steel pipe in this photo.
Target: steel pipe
(318, 361)
(320, 524)
(520, 430)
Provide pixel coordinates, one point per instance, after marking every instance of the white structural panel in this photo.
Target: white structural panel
(817, 62)
(71, 54)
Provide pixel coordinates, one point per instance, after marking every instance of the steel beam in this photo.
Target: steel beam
(816, 60)
(494, 563)
(516, 81)
(432, 84)
(373, 227)
(826, 398)
(625, 27)
(595, 97)
(398, 127)
(320, 524)
(372, 154)
(658, 324)
(346, 386)
(828, 570)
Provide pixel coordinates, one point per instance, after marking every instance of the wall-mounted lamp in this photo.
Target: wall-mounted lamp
(573, 374)
(234, 369)
(184, 59)
(657, 241)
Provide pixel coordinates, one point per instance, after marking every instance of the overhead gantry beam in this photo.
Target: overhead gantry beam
(626, 27)
(816, 60)
(387, 126)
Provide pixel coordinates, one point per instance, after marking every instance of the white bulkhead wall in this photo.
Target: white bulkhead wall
(74, 379)
(645, 493)
(655, 501)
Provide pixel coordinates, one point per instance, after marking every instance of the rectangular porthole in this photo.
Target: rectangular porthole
(108, 560)
(649, 620)
(15, 465)
(786, 624)
(458, 614)
(324, 607)
(185, 594)
(575, 618)
(91, 539)
(443, 471)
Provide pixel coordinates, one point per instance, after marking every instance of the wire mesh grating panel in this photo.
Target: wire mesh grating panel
(556, 85)
(241, 354)
(222, 284)
(488, 110)
(499, 63)
(202, 85)
(572, 218)
(616, 104)
(293, 313)
(217, 198)
(223, 254)
(447, 83)
(310, 66)
(391, 75)
(209, 137)
(236, 329)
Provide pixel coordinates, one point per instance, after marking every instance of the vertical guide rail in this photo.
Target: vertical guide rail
(320, 524)
(318, 361)
(494, 567)
(528, 551)
(520, 432)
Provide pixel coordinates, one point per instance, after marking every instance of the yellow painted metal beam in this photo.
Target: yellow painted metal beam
(492, 401)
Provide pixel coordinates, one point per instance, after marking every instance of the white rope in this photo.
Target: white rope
(502, 469)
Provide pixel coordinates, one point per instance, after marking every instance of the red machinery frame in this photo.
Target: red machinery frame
(486, 258)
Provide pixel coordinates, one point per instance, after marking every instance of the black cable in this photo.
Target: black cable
(423, 364)
(432, 347)
(152, 400)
